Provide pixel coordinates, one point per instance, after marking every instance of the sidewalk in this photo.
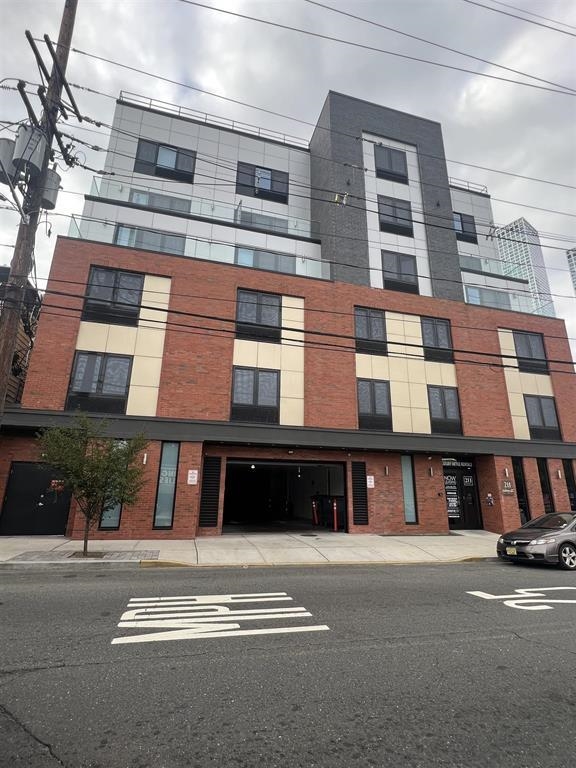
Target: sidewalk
(265, 549)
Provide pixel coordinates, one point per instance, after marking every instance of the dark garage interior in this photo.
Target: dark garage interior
(274, 495)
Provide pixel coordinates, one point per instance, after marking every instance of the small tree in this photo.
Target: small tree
(99, 471)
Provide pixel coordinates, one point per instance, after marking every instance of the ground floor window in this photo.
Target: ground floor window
(410, 512)
(166, 492)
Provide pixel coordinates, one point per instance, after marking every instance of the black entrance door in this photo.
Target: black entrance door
(33, 505)
(461, 494)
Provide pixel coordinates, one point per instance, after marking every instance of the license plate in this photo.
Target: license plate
(511, 551)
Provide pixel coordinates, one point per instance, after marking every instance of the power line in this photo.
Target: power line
(436, 45)
(372, 48)
(521, 18)
(531, 13)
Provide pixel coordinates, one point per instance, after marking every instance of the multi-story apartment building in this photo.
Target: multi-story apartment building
(571, 256)
(306, 333)
(521, 254)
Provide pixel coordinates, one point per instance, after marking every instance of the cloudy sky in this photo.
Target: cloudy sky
(486, 122)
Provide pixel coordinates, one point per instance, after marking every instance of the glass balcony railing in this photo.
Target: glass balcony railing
(143, 238)
(490, 266)
(174, 202)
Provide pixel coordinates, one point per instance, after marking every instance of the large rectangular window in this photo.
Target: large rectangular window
(258, 316)
(390, 164)
(113, 296)
(399, 271)
(545, 486)
(465, 228)
(270, 260)
(156, 200)
(110, 518)
(395, 216)
(542, 418)
(530, 352)
(255, 395)
(521, 492)
(150, 240)
(370, 331)
(166, 491)
(409, 490)
(570, 482)
(166, 161)
(374, 408)
(99, 383)
(257, 181)
(437, 339)
(444, 410)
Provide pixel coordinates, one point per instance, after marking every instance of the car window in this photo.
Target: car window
(550, 522)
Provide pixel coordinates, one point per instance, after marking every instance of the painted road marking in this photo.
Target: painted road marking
(195, 617)
(529, 598)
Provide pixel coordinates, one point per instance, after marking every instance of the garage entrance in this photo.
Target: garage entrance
(276, 495)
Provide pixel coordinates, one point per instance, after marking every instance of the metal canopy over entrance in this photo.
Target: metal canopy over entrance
(284, 495)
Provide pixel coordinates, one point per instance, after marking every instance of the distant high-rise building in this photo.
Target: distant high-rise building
(571, 254)
(521, 254)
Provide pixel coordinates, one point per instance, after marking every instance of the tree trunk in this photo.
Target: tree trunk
(86, 534)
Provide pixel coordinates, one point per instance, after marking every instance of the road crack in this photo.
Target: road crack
(10, 716)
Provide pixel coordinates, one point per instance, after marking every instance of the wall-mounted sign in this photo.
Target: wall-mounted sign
(507, 487)
(370, 481)
(467, 480)
(192, 477)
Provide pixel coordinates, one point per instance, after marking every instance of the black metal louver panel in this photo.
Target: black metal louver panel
(359, 493)
(210, 492)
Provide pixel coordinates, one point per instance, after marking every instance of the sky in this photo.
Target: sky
(501, 126)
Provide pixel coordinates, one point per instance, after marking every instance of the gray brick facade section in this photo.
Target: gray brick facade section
(336, 157)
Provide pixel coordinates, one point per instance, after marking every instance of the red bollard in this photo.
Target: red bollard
(314, 513)
(335, 513)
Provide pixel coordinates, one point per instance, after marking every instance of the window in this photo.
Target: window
(274, 262)
(556, 522)
(570, 481)
(487, 297)
(99, 383)
(255, 395)
(542, 418)
(370, 331)
(444, 410)
(166, 490)
(465, 228)
(390, 164)
(399, 272)
(437, 339)
(255, 181)
(155, 200)
(530, 352)
(113, 296)
(374, 409)
(395, 216)
(150, 240)
(168, 162)
(110, 518)
(409, 490)
(258, 316)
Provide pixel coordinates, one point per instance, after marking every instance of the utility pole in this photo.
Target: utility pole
(22, 259)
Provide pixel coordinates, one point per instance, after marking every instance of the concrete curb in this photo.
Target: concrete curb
(179, 564)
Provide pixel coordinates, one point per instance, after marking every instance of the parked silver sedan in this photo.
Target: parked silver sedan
(548, 539)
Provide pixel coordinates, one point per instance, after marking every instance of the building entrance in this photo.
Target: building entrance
(461, 494)
(35, 503)
(274, 495)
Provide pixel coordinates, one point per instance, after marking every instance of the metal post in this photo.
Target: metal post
(21, 263)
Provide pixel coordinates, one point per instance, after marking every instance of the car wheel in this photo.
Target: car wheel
(567, 557)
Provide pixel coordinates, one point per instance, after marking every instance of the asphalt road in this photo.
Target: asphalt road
(413, 671)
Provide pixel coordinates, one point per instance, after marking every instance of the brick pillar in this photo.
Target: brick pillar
(533, 489)
(504, 514)
(559, 487)
(187, 496)
(430, 495)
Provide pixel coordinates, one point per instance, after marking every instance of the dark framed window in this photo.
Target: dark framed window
(164, 160)
(399, 271)
(444, 410)
(150, 240)
(255, 395)
(545, 486)
(570, 482)
(437, 339)
(258, 316)
(99, 383)
(395, 216)
(257, 181)
(542, 417)
(370, 331)
(521, 492)
(110, 518)
(166, 489)
(270, 260)
(530, 352)
(113, 296)
(465, 228)
(390, 164)
(409, 490)
(374, 408)
(156, 200)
